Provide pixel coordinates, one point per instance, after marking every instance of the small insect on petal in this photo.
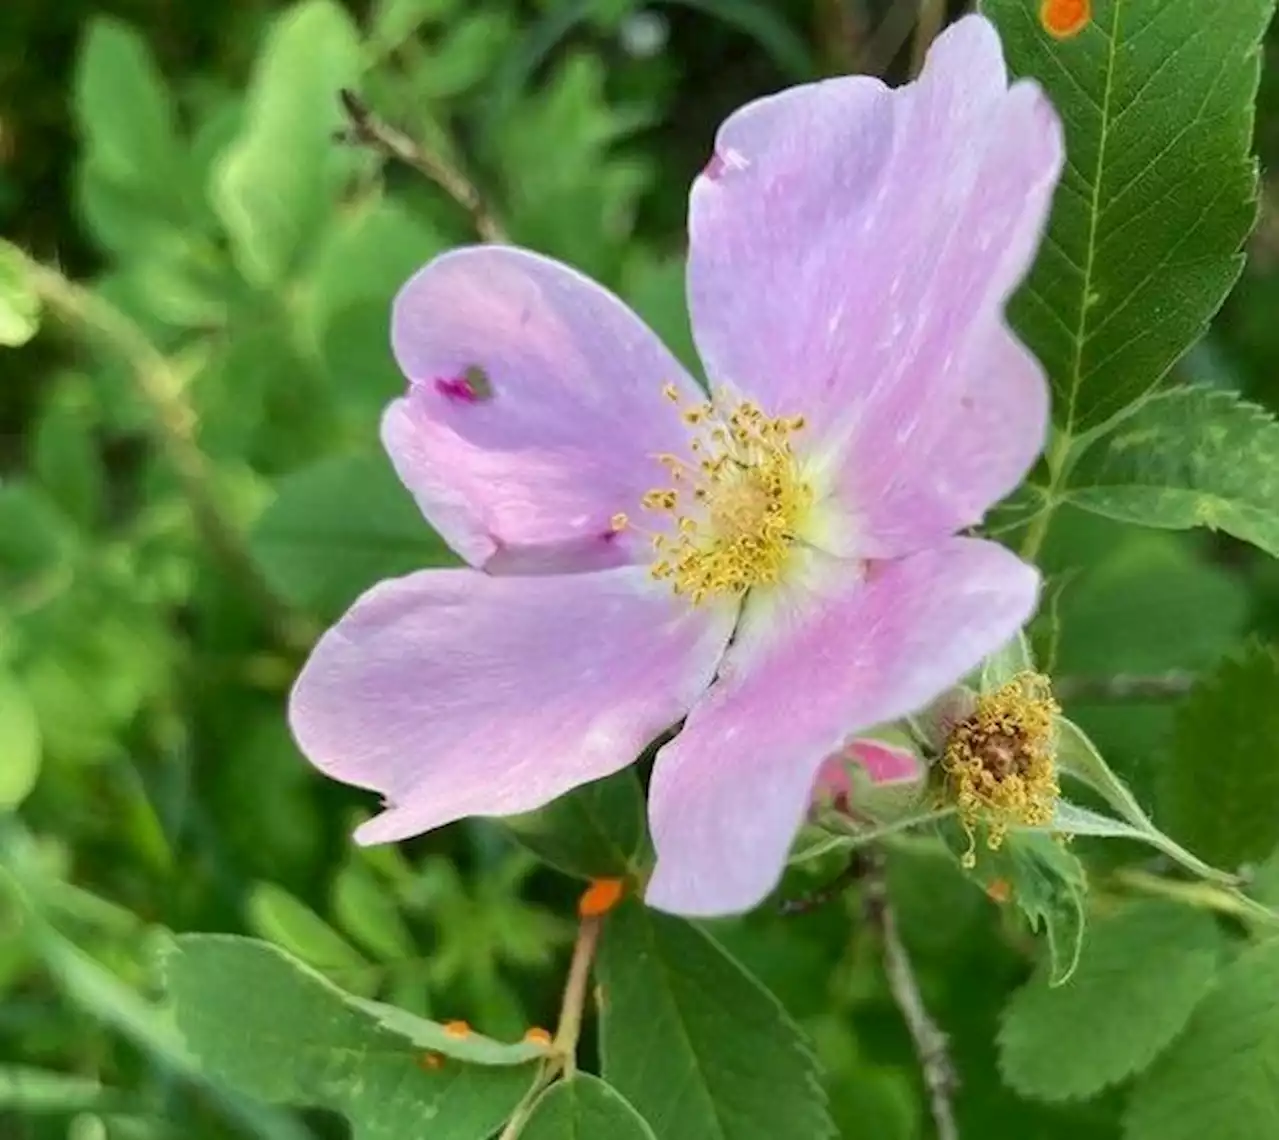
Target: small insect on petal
(1063, 19)
(601, 897)
(537, 1036)
(472, 387)
(457, 1029)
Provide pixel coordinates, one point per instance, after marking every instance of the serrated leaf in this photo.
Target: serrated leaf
(272, 1028)
(274, 185)
(19, 304)
(367, 911)
(123, 108)
(582, 1108)
(470, 1046)
(1219, 1078)
(594, 831)
(337, 528)
(1045, 881)
(1140, 975)
(20, 748)
(1157, 197)
(1184, 458)
(695, 1043)
(1218, 791)
(288, 922)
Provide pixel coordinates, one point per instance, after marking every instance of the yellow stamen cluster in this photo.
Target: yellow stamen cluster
(999, 762)
(731, 516)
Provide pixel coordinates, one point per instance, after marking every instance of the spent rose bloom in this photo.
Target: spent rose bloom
(779, 563)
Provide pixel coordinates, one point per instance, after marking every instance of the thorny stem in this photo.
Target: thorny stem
(930, 1042)
(1125, 687)
(172, 424)
(364, 128)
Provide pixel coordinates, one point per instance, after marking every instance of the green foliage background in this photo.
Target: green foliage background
(179, 157)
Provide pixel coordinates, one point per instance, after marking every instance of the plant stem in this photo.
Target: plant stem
(1125, 687)
(1207, 896)
(930, 1042)
(1039, 528)
(366, 129)
(172, 423)
(569, 1027)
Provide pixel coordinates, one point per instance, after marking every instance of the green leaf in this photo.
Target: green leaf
(472, 1047)
(1187, 457)
(65, 454)
(700, 1048)
(1157, 197)
(25, 1089)
(1218, 792)
(366, 910)
(1219, 1079)
(20, 750)
(274, 185)
(337, 528)
(1006, 663)
(1046, 882)
(394, 21)
(584, 1108)
(594, 831)
(1140, 975)
(124, 110)
(19, 305)
(270, 1027)
(288, 922)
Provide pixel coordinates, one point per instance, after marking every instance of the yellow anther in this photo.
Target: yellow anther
(671, 392)
(735, 530)
(999, 762)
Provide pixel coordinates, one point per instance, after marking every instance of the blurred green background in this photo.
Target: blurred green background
(176, 524)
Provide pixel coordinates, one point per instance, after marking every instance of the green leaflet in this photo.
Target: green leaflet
(1219, 1078)
(1158, 194)
(694, 1042)
(1141, 973)
(1187, 457)
(274, 1029)
(582, 1108)
(1217, 793)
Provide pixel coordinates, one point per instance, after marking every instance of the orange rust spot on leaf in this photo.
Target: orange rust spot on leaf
(999, 891)
(457, 1029)
(431, 1061)
(1063, 19)
(601, 897)
(537, 1036)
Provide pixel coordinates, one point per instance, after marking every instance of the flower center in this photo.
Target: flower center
(730, 518)
(999, 762)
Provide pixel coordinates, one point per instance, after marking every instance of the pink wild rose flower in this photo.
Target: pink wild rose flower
(779, 564)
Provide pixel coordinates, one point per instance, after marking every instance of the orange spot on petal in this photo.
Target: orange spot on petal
(537, 1036)
(457, 1029)
(1063, 19)
(431, 1061)
(601, 897)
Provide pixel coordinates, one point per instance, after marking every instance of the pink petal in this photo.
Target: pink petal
(883, 764)
(851, 254)
(534, 412)
(455, 693)
(729, 793)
